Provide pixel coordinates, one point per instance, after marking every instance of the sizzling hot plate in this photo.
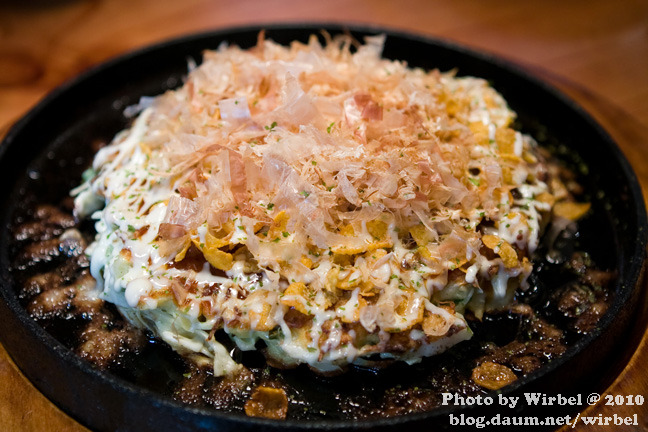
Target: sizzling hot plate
(51, 143)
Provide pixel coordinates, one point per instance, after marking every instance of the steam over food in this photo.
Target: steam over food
(319, 203)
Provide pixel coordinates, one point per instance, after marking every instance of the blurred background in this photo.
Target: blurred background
(596, 51)
(596, 47)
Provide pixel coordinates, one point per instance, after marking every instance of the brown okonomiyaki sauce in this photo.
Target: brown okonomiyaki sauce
(570, 290)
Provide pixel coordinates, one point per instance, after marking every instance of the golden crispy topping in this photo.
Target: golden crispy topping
(493, 376)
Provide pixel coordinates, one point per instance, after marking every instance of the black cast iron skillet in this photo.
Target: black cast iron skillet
(51, 142)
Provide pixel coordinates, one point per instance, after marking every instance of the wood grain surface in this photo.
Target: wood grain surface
(596, 51)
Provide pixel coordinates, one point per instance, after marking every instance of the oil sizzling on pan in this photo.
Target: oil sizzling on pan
(618, 220)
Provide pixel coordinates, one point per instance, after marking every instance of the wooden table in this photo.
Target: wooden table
(596, 51)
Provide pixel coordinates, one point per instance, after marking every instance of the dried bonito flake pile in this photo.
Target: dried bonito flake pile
(340, 207)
